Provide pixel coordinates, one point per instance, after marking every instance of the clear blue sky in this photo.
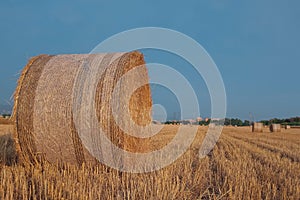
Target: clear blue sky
(255, 44)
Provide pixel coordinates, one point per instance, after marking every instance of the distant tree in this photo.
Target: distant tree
(6, 115)
(233, 122)
(236, 122)
(295, 119)
(227, 122)
(246, 123)
(265, 122)
(277, 121)
(205, 123)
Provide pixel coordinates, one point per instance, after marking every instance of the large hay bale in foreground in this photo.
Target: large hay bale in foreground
(257, 127)
(44, 105)
(275, 128)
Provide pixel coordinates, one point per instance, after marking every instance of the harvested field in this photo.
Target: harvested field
(5, 121)
(243, 165)
(6, 129)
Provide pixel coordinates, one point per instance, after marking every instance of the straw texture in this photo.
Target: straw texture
(275, 128)
(45, 125)
(257, 127)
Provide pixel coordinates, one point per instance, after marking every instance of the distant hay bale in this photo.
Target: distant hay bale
(257, 127)
(287, 126)
(275, 128)
(43, 111)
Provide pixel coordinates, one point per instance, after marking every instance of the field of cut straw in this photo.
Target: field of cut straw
(243, 165)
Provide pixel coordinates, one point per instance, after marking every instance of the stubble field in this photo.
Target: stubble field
(243, 165)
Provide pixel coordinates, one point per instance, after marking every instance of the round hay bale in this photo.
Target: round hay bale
(275, 128)
(257, 127)
(44, 106)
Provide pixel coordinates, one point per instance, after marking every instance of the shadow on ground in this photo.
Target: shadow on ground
(8, 155)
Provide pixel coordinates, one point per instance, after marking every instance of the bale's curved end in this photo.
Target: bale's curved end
(43, 110)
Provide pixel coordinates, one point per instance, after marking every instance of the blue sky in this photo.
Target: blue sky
(255, 44)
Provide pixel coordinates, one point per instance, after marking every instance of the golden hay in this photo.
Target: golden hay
(257, 127)
(43, 114)
(275, 128)
(5, 120)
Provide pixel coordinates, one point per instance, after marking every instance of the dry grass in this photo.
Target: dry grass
(243, 165)
(5, 121)
(6, 129)
(257, 166)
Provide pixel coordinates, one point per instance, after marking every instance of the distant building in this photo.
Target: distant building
(199, 119)
(191, 121)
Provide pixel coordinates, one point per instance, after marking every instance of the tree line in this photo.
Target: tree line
(294, 121)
